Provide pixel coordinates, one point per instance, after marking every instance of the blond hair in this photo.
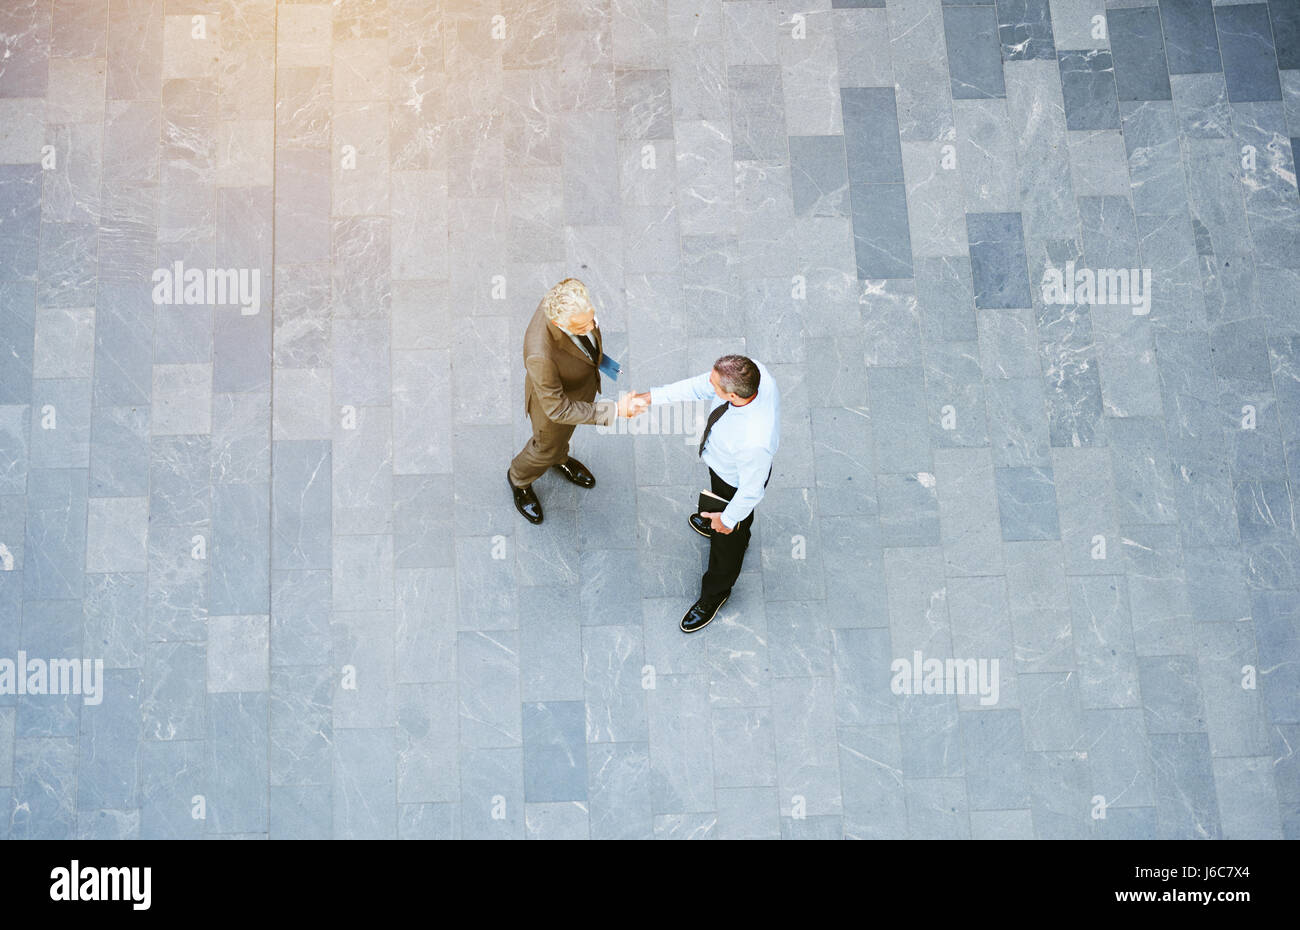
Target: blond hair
(565, 299)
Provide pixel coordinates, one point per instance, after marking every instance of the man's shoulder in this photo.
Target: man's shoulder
(536, 337)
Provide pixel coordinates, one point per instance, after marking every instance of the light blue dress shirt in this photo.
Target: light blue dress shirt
(742, 442)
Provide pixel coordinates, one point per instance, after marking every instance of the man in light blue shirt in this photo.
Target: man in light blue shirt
(739, 441)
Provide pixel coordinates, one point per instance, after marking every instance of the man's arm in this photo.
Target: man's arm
(558, 406)
(753, 475)
(696, 388)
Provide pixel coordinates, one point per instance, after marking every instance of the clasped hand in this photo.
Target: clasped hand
(634, 404)
(715, 521)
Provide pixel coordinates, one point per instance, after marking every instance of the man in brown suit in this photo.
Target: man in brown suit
(562, 352)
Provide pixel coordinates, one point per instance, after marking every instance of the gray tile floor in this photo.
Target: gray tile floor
(280, 518)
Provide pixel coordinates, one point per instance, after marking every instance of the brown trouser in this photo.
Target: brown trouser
(549, 446)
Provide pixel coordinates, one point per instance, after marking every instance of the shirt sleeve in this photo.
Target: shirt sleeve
(697, 388)
(754, 470)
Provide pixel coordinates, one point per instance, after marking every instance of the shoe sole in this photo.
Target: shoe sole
(706, 622)
(701, 532)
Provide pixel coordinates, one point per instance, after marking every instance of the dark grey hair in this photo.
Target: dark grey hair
(737, 375)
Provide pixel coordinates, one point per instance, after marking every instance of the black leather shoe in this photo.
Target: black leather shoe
(702, 525)
(526, 502)
(702, 612)
(576, 472)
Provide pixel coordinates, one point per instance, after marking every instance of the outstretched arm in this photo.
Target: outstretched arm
(696, 388)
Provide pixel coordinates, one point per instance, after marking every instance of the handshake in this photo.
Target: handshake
(634, 404)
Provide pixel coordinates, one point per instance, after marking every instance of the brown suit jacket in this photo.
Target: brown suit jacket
(561, 378)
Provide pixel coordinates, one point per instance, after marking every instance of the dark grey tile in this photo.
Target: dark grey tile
(1191, 43)
(999, 265)
(1138, 49)
(1249, 60)
(871, 136)
(881, 236)
(1285, 16)
(974, 52)
(1088, 86)
(1025, 27)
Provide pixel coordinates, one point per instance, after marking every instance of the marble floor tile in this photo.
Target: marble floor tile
(279, 520)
